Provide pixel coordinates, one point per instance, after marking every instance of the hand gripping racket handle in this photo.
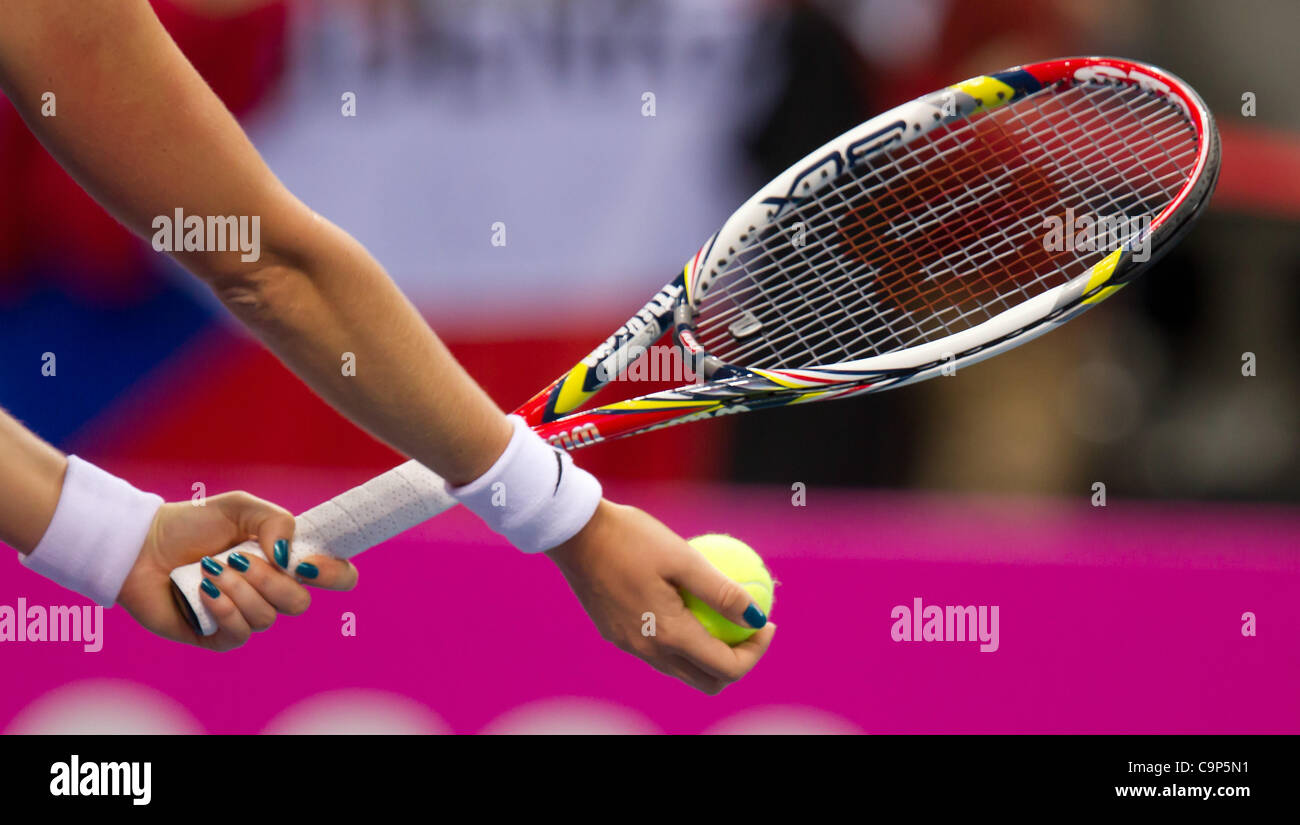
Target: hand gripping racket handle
(341, 527)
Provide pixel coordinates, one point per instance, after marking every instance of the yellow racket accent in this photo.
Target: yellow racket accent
(686, 281)
(986, 91)
(782, 381)
(571, 395)
(813, 396)
(647, 404)
(1099, 275)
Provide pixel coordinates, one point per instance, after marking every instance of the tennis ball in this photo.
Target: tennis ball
(739, 562)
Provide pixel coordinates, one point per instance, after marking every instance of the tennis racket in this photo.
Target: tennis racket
(918, 242)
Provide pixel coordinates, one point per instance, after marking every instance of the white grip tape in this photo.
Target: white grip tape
(342, 527)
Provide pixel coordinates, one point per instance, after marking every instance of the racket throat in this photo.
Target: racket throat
(703, 366)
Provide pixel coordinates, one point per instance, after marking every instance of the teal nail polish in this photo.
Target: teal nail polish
(282, 553)
(754, 617)
(237, 561)
(209, 589)
(307, 570)
(211, 566)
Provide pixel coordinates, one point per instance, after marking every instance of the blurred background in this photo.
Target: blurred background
(474, 112)
(470, 113)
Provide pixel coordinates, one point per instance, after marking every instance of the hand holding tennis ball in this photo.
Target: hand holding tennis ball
(739, 562)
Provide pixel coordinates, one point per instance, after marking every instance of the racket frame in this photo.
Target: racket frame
(554, 412)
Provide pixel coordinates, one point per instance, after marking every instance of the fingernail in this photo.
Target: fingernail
(211, 566)
(238, 562)
(209, 589)
(307, 570)
(282, 553)
(754, 617)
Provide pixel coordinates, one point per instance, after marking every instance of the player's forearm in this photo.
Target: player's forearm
(142, 133)
(339, 322)
(31, 477)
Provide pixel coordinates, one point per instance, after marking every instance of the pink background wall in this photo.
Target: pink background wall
(1126, 619)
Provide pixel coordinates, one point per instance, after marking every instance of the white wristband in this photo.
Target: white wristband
(97, 531)
(534, 494)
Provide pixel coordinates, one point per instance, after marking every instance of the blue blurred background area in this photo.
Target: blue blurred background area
(604, 141)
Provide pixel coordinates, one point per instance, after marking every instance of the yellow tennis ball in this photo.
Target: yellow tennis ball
(739, 562)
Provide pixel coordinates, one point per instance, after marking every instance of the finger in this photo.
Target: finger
(326, 572)
(232, 629)
(715, 589)
(752, 649)
(682, 670)
(273, 525)
(263, 590)
(257, 612)
(718, 659)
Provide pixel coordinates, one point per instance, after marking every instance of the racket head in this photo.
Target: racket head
(917, 243)
(925, 224)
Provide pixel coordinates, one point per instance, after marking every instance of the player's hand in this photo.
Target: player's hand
(625, 564)
(246, 600)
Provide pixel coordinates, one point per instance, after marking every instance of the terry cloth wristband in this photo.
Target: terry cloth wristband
(97, 531)
(534, 494)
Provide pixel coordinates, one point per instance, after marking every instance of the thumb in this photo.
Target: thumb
(711, 586)
(271, 524)
(274, 528)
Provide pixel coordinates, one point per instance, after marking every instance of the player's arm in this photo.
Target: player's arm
(31, 477)
(141, 131)
(143, 134)
(97, 535)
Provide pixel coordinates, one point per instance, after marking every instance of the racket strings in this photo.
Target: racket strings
(967, 263)
(840, 338)
(825, 253)
(919, 226)
(948, 230)
(1037, 193)
(967, 259)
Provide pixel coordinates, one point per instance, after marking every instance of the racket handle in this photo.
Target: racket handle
(342, 527)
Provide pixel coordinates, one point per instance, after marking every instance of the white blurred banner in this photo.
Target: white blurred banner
(531, 114)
